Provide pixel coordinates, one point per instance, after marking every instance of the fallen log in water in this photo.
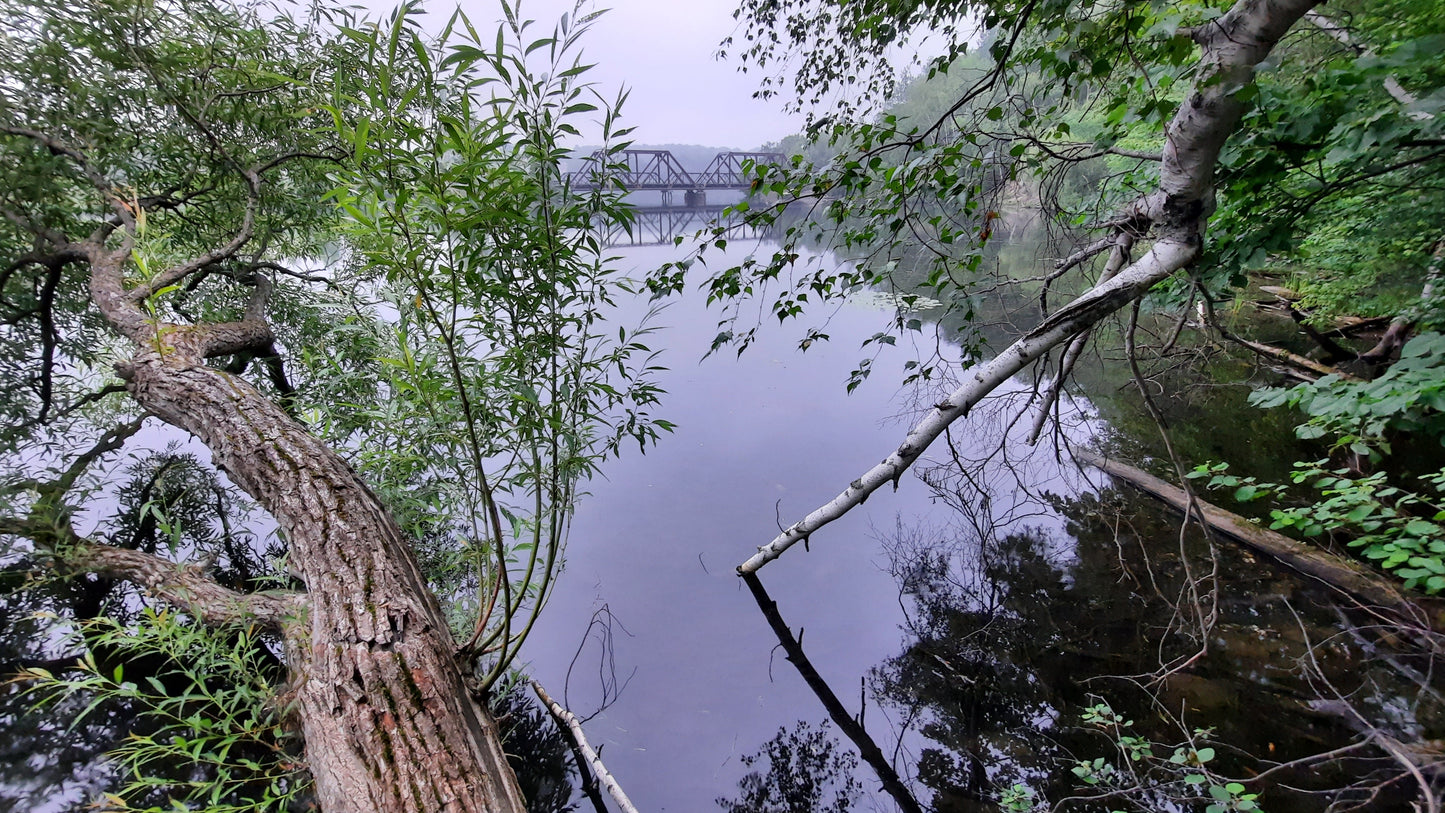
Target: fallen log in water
(1370, 590)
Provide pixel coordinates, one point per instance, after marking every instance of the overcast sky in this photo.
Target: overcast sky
(664, 52)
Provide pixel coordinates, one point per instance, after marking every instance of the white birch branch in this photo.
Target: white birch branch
(1123, 243)
(1166, 257)
(1392, 85)
(1231, 46)
(574, 728)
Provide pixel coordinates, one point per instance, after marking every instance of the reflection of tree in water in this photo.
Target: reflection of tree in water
(1015, 635)
(976, 678)
(537, 751)
(805, 771)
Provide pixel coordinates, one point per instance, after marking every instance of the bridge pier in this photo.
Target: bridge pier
(695, 198)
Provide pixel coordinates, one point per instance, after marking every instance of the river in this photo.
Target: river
(969, 623)
(1028, 618)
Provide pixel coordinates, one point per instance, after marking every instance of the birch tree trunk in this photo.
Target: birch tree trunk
(1231, 46)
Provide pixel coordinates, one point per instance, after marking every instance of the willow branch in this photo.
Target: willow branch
(178, 272)
(97, 180)
(109, 442)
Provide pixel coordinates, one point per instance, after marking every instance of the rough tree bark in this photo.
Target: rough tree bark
(388, 718)
(1231, 46)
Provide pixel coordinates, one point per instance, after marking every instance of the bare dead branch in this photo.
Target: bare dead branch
(569, 723)
(1122, 244)
(851, 728)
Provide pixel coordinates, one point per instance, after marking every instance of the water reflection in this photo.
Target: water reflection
(1014, 636)
(983, 617)
(803, 770)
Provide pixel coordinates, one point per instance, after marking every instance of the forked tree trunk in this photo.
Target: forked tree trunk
(388, 720)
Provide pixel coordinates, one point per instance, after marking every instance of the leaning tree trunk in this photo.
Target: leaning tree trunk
(388, 719)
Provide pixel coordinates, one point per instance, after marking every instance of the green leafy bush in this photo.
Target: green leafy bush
(1407, 398)
(209, 734)
(1397, 529)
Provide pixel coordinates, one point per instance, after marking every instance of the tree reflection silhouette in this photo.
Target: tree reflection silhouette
(1012, 635)
(804, 772)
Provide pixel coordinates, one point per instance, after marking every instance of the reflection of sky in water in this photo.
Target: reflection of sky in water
(658, 541)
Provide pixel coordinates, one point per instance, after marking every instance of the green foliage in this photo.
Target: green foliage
(1059, 108)
(209, 721)
(1365, 255)
(1331, 178)
(1398, 529)
(493, 289)
(1144, 778)
(1392, 523)
(1018, 799)
(140, 87)
(913, 191)
(1409, 398)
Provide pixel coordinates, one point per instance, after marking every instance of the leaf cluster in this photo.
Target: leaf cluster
(209, 733)
(1407, 400)
(502, 385)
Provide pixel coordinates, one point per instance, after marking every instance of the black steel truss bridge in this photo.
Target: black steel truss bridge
(660, 171)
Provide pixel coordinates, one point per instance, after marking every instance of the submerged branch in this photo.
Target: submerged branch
(1373, 592)
(851, 728)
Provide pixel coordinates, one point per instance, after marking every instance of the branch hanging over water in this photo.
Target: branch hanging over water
(1370, 591)
(1230, 48)
(1166, 257)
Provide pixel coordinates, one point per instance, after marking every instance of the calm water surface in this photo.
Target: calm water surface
(975, 617)
(1064, 596)
(761, 439)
